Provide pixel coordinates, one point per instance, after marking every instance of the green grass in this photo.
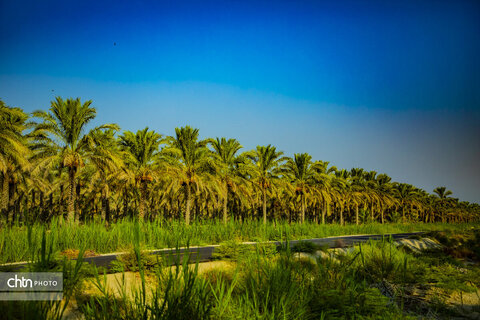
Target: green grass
(260, 288)
(162, 234)
(376, 280)
(43, 261)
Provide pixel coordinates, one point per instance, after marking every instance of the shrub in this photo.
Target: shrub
(305, 246)
(128, 261)
(235, 251)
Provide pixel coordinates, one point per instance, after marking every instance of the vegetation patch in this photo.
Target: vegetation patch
(232, 250)
(73, 253)
(17, 241)
(305, 246)
(375, 280)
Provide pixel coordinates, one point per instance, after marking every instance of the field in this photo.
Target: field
(377, 280)
(17, 243)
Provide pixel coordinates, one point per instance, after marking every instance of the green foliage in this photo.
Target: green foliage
(128, 261)
(305, 246)
(232, 250)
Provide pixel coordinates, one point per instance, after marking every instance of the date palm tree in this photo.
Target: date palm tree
(14, 151)
(106, 163)
(301, 172)
(229, 165)
(324, 178)
(80, 171)
(265, 170)
(443, 196)
(62, 140)
(384, 189)
(371, 189)
(358, 190)
(142, 157)
(341, 188)
(442, 192)
(190, 164)
(407, 196)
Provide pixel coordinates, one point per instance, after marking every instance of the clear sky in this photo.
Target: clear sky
(391, 86)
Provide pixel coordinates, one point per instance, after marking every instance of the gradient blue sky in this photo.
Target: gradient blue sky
(383, 85)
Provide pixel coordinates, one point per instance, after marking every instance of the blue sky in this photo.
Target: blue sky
(387, 86)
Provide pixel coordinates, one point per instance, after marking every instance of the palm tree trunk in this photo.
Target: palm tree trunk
(303, 208)
(357, 219)
(141, 207)
(264, 206)
(33, 199)
(225, 210)
(107, 211)
(60, 203)
(71, 198)
(11, 200)
(403, 213)
(5, 192)
(78, 210)
(324, 212)
(125, 203)
(41, 204)
(11, 207)
(341, 215)
(371, 213)
(187, 210)
(196, 208)
(225, 203)
(104, 208)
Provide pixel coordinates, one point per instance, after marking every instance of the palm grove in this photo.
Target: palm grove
(51, 166)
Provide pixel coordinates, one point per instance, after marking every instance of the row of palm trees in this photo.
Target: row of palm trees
(50, 165)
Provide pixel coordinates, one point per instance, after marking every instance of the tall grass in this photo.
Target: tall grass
(43, 261)
(179, 294)
(14, 241)
(376, 280)
(261, 287)
(372, 281)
